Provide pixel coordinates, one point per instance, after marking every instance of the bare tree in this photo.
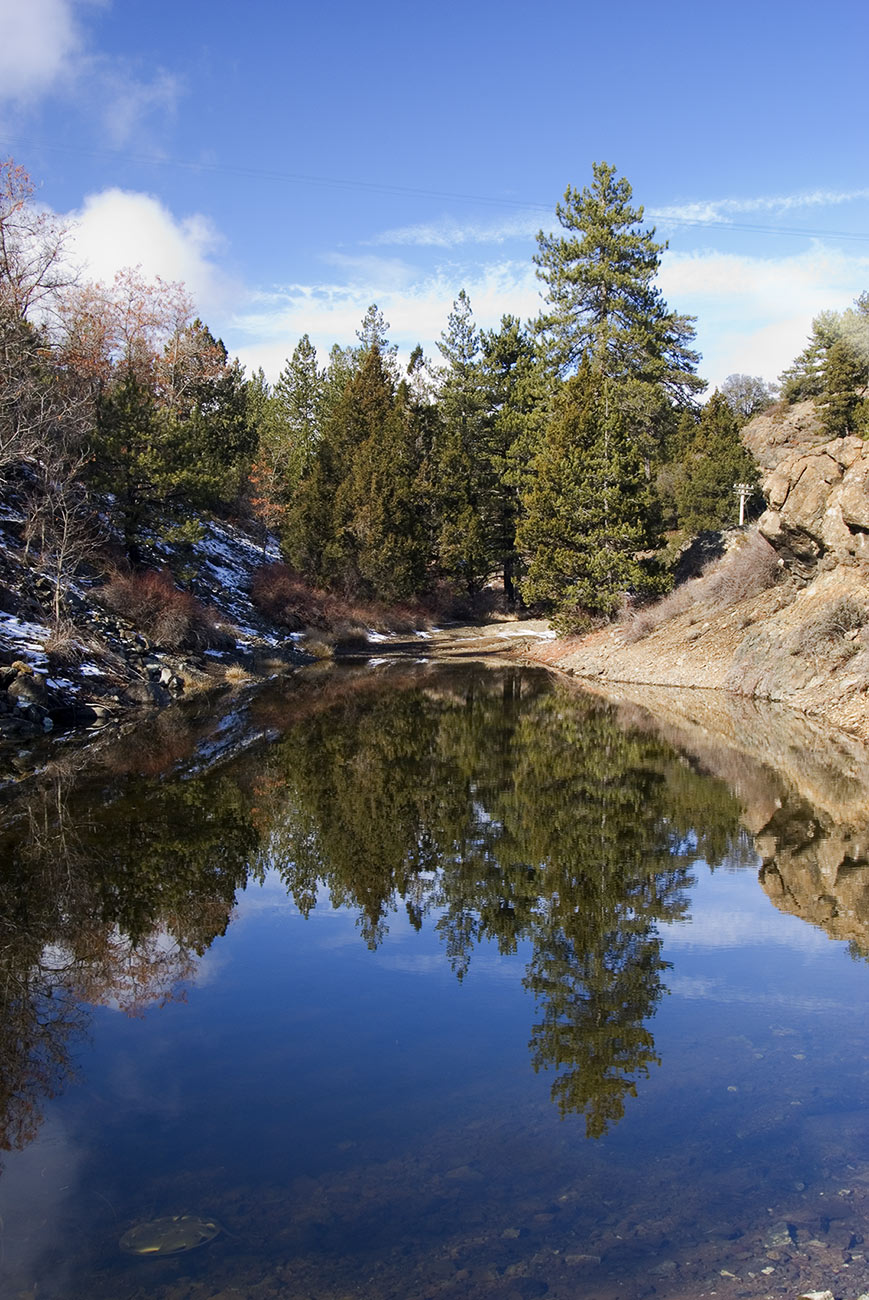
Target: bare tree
(32, 264)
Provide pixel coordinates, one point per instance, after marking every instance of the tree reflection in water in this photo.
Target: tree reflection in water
(509, 811)
(494, 804)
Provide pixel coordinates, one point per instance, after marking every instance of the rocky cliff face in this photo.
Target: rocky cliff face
(804, 640)
(817, 492)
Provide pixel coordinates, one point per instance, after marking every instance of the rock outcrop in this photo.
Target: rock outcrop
(804, 641)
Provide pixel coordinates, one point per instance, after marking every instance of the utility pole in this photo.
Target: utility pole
(743, 491)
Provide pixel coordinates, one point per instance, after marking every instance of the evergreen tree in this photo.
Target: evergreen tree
(202, 393)
(593, 505)
(833, 368)
(357, 526)
(460, 475)
(603, 304)
(804, 378)
(844, 375)
(515, 399)
(713, 462)
(590, 510)
(380, 497)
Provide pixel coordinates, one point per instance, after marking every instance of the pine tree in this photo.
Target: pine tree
(515, 399)
(844, 378)
(460, 472)
(591, 509)
(357, 526)
(602, 299)
(713, 462)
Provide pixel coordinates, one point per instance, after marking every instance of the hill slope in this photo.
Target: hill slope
(802, 638)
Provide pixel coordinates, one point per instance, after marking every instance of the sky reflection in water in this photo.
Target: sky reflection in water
(474, 925)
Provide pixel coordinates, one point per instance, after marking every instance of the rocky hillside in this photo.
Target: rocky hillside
(795, 631)
(102, 660)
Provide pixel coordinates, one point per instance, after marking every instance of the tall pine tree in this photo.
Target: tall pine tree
(591, 509)
(460, 471)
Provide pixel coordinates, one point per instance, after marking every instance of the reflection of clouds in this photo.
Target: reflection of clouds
(742, 929)
(696, 988)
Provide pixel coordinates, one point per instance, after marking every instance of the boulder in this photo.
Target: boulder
(818, 505)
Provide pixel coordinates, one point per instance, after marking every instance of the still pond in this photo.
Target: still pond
(425, 981)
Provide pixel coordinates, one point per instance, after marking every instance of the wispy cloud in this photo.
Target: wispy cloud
(447, 232)
(127, 103)
(702, 211)
(46, 51)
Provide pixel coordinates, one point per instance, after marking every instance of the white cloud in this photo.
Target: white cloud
(118, 228)
(754, 313)
(415, 303)
(40, 47)
(44, 51)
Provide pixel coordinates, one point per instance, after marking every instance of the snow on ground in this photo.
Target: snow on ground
(25, 640)
(228, 559)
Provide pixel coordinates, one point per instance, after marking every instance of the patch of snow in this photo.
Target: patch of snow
(16, 629)
(61, 684)
(90, 670)
(375, 636)
(376, 663)
(424, 635)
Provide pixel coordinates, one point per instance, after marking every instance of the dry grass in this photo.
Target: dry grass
(238, 676)
(64, 645)
(745, 571)
(171, 618)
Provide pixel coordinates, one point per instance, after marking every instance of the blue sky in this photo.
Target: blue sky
(293, 163)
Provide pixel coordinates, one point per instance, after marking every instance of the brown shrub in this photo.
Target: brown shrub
(829, 626)
(284, 597)
(171, 618)
(64, 646)
(743, 572)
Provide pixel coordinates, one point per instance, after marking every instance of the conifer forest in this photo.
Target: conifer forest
(549, 457)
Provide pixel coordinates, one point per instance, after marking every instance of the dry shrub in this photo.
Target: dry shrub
(829, 626)
(318, 648)
(284, 597)
(171, 618)
(745, 571)
(63, 645)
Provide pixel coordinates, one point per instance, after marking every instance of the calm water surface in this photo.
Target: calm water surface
(437, 983)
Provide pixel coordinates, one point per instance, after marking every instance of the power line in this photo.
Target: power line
(377, 187)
